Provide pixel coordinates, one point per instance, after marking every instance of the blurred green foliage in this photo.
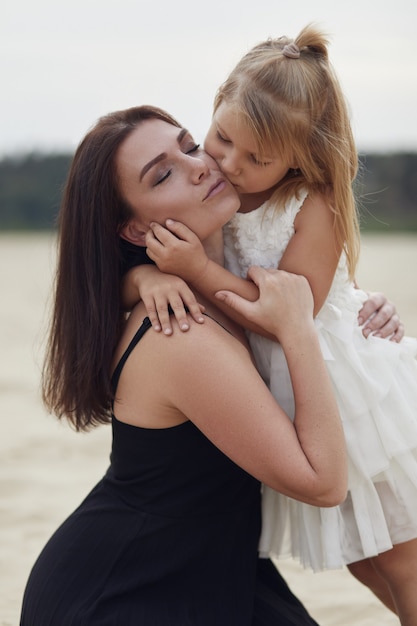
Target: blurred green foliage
(31, 187)
(30, 190)
(386, 188)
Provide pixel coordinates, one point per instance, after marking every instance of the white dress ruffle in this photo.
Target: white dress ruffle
(375, 382)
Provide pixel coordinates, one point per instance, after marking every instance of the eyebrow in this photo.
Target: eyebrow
(161, 156)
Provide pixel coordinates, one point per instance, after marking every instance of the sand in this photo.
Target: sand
(46, 469)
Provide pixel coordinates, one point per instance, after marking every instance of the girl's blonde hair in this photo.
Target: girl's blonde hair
(291, 100)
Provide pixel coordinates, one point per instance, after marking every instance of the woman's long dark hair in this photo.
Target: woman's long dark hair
(86, 316)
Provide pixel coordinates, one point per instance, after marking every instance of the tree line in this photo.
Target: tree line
(31, 187)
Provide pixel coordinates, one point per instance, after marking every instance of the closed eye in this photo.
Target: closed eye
(193, 149)
(252, 156)
(164, 177)
(221, 138)
(258, 162)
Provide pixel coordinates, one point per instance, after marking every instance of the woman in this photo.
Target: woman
(169, 536)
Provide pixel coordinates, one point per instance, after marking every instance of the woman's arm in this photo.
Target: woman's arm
(208, 377)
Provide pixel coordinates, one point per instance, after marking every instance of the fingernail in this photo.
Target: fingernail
(167, 331)
(185, 326)
(360, 321)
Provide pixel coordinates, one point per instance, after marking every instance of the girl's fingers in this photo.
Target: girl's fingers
(196, 311)
(159, 232)
(181, 316)
(178, 306)
(164, 317)
(152, 314)
(194, 308)
(184, 303)
(180, 230)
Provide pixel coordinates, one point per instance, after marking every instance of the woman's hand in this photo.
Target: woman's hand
(379, 317)
(285, 304)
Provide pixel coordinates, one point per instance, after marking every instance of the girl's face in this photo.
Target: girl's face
(236, 153)
(164, 174)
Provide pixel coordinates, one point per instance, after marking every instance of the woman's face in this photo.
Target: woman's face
(164, 174)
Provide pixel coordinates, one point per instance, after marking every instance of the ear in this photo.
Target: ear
(134, 232)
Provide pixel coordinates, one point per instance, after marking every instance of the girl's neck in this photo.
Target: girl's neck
(251, 201)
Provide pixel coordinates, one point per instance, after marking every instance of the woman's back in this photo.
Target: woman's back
(168, 537)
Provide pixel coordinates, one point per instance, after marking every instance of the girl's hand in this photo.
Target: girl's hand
(380, 318)
(171, 291)
(160, 291)
(176, 250)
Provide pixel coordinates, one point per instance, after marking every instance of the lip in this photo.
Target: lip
(216, 188)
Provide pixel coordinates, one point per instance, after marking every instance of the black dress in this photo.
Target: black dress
(167, 538)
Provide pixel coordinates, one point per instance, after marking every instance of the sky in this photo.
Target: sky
(65, 63)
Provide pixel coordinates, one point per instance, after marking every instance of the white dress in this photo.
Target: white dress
(375, 382)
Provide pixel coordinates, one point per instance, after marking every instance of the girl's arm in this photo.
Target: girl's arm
(176, 249)
(311, 252)
(160, 291)
(209, 378)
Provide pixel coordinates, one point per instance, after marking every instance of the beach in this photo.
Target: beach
(46, 468)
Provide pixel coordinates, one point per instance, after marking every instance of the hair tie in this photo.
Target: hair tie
(291, 50)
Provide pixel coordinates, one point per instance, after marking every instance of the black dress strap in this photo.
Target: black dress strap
(146, 324)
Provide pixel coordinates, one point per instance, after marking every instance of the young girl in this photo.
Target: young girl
(281, 134)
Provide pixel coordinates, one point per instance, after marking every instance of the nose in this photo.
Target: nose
(199, 169)
(230, 165)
